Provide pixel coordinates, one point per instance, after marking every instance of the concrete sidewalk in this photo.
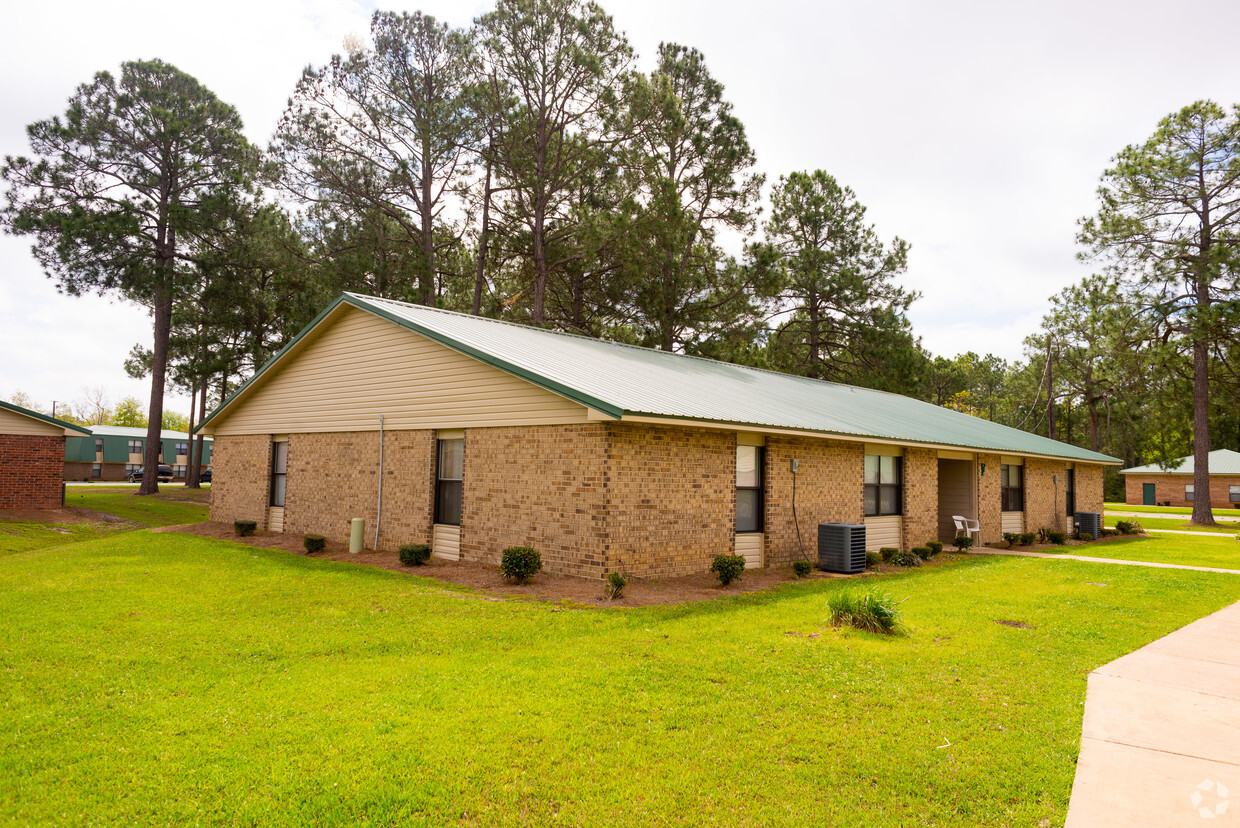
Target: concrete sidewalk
(1160, 745)
(986, 550)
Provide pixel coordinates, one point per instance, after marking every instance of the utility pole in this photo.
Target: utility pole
(1050, 394)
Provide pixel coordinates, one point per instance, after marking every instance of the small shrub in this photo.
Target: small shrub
(314, 543)
(902, 558)
(801, 568)
(616, 582)
(872, 559)
(244, 528)
(1012, 538)
(1109, 533)
(922, 552)
(415, 554)
(869, 610)
(728, 568)
(935, 547)
(1056, 537)
(1127, 527)
(887, 552)
(1027, 538)
(520, 563)
(963, 543)
(1085, 536)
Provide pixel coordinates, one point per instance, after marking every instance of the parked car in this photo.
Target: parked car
(164, 476)
(205, 476)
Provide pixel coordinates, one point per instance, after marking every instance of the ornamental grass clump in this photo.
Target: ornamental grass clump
(869, 610)
(520, 563)
(616, 582)
(728, 568)
(314, 543)
(414, 554)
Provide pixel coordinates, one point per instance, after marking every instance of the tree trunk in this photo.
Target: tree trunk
(191, 481)
(1050, 393)
(480, 280)
(427, 279)
(159, 370)
(537, 315)
(1202, 513)
(202, 415)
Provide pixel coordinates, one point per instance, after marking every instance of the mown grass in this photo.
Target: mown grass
(1167, 510)
(161, 678)
(1222, 551)
(126, 511)
(1177, 524)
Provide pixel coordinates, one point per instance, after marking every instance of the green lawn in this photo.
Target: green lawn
(1178, 524)
(163, 678)
(124, 509)
(1222, 551)
(1167, 510)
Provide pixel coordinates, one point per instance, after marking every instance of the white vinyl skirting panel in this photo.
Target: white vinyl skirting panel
(1012, 522)
(883, 531)
(749, 545)
(446, 542)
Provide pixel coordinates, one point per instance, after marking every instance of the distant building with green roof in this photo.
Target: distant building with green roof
(115, 453)
(1152, 484)
(473, 435)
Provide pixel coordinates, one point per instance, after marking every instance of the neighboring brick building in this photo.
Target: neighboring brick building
(1173, 486)
(473, 435)
(115, 453)
(32, 456)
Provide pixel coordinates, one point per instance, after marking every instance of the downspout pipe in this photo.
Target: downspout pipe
(379, 505)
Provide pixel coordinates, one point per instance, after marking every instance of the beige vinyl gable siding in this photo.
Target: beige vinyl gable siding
(13, 423)
(357, 366)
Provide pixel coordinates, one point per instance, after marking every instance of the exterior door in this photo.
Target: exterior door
(1147, 494)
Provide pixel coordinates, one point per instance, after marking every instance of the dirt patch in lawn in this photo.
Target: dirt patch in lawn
(545, 586)
(68, 514)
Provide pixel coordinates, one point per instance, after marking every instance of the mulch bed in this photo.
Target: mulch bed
(545, 586)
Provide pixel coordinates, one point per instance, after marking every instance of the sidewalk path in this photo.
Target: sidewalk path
(988, 551)
(1162, 516)
(1160, 743)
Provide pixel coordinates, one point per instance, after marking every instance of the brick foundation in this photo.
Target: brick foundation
(31, 471)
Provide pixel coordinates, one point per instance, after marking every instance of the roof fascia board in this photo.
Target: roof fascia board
(853, 438)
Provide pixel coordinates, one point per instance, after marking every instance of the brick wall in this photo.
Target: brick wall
(77, 471)
(1171, 487)
(241, 478)
(31, 471)
(542, 487)
(670, 498)
(830, 475)
(1045, 499)
(921, 496)
(989, 502)
(1089, 487)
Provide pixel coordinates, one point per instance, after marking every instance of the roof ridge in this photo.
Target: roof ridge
(596, 339)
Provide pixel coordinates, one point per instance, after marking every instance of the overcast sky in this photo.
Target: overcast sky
(976, 131)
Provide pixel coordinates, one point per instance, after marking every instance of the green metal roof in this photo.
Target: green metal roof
(17, 409)
(619, 380)
(1222, 461)
(135, 433)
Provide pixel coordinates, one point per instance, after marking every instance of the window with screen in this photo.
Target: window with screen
(1188, 493)
(1012, 487)
(1234, 494)
(96, 469)
(749, 501)
(182, 449)
(279, 472)
(882, 485)
(135, 446)
(449, 481)
(98, 445)
(1070, 490)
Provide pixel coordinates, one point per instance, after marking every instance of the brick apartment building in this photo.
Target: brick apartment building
(32, 456)
(473, 435)
(1173, 486)
(116, 452)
